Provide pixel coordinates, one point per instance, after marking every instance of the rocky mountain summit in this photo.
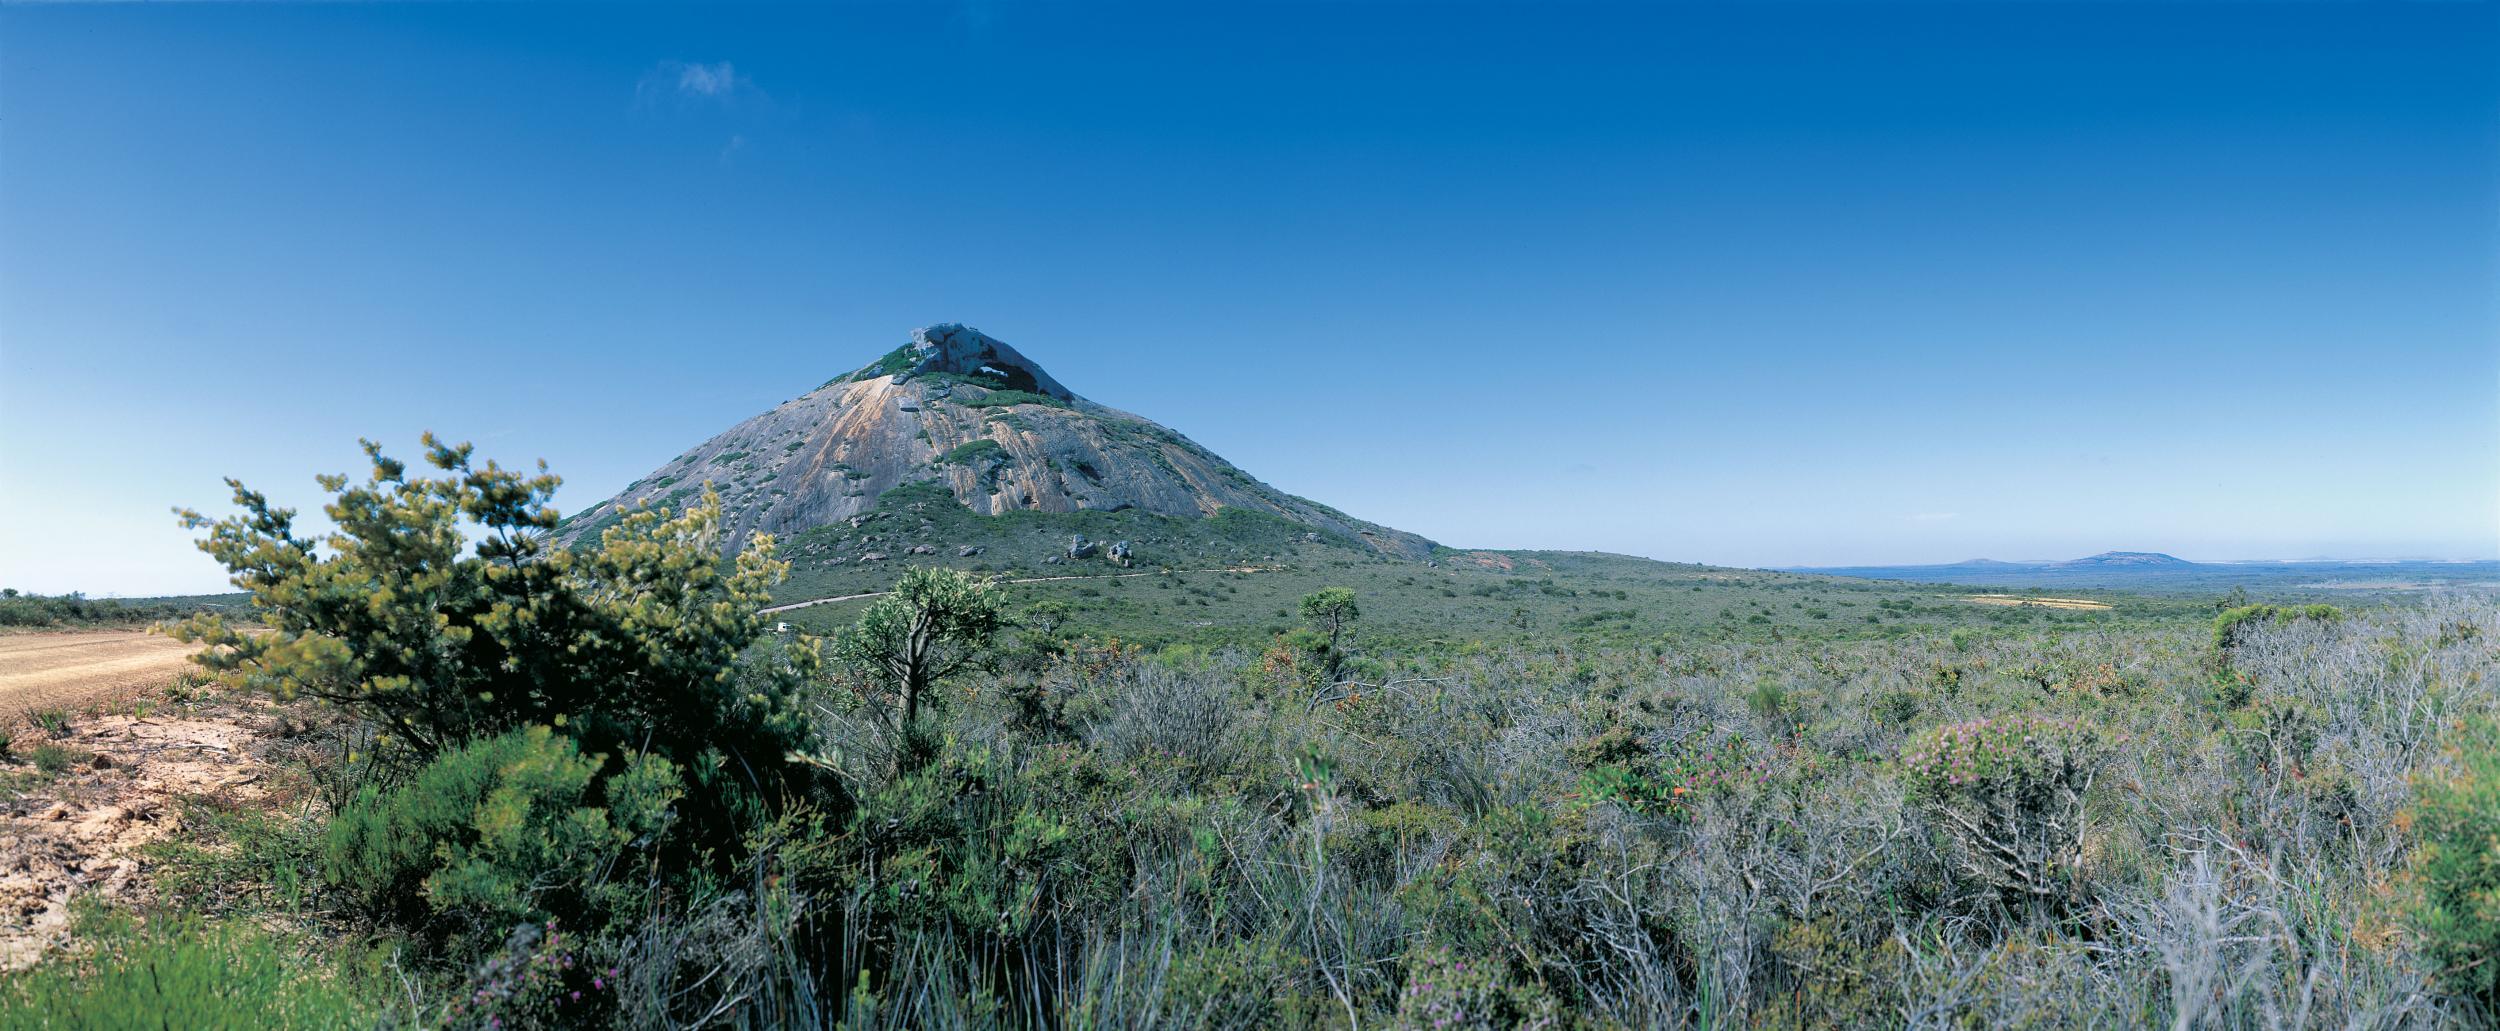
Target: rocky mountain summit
(961, 409)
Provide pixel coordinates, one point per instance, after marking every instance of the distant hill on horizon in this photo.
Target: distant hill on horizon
(2124, 560)
(2156, 571)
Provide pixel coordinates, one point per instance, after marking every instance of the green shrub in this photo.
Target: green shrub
(1237, 983)
(1670, 783)
(2010, 791)
(536, 979)
(973, 450)
(934, 624)
(983, 846)
(1446, 991)
(442, 612)
(76, 609)
(191, 974)
(1768, 700)
(1012, 398)
(55, 760)
(511, 829)
(1592, 620)
(2456, 867)
(2234, 625)
(238, 859)
(893, 363)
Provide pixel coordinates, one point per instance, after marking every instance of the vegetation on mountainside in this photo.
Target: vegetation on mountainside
(995, 809)
(971, 451)
(1009, 398)
(1239, 574)
(892, 363)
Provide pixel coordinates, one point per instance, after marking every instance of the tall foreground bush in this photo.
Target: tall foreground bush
(630, 647)
(934, 624)
(2457, 866)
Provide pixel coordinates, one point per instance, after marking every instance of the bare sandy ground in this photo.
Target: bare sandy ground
(2081, 604)
(135, 753)
(75, 669)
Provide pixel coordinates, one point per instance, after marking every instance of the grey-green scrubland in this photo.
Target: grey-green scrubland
(593, 787)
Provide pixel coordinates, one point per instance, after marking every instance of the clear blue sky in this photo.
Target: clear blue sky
(1771, 285)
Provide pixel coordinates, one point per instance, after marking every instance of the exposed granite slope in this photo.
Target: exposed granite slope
(959, 407)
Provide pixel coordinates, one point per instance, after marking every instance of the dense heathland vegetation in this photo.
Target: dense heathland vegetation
(1233, 581)
(60, 611)
(591, 788)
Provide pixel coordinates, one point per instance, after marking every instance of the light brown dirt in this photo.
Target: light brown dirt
(76, 669)
(2078, 604)
(134, 751)
(81, 832)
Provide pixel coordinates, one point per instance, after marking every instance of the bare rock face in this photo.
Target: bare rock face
(958, 407)
(965, 351)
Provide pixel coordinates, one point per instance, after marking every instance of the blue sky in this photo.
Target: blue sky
(1765, 285)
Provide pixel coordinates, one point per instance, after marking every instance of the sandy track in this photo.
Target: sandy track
(73, 669)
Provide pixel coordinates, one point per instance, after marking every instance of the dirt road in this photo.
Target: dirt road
(72, 669)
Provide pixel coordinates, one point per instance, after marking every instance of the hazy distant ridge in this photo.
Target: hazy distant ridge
(2152, 570)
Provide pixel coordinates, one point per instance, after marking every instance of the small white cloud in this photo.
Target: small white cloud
(688, 81)
(708, 80)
